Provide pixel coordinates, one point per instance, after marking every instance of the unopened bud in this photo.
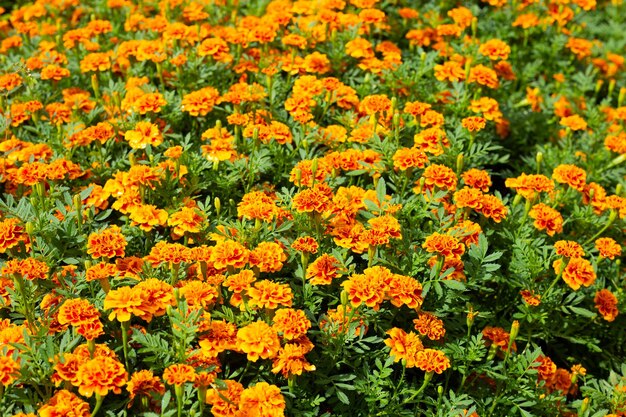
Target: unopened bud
(394, 104)
(618, 189)
(539, 160)
(459, 163)
(344, 298)
(584, 406)
(218, 205)
(622, 95)
(514, 332)
(30, 229)
(611, 86)
(599, 84)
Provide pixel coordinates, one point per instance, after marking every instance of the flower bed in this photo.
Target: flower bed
(312, 208)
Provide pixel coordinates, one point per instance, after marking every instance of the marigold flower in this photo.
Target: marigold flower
(225, 403)
(483, 75)
(530, 298)
(608, 248)
(528, 185)
(144, 383)
(65, 403)
(269, 294)
(9, 370)
(147, 216)
(451, 71)
(144, 134)
(101, 375)
(499, 337)
(178, 374)
(574, 122)
(305, 244)
(546, 368)
(577, 272)
(124, 303)
(474, 123)
(365, 289)
(263, 400)
(323, 270)
(257, 205)
(546, 218)
(406, 158)
(439, 176)
(11, 234)
(375, 104)
(495, 49)
(268, 257)
(186, 220)
(404, 346)
(96, 61)
(404, 290)
(199, 294)
(571, 175)
(606, 304)
(200, 102)
(429, 325)
(220, 336)
(258, 340)
(569, 249)
(291, 361)
(107, 244)
(291, 323)
(444, 245)
(229, 253)
(432, 360)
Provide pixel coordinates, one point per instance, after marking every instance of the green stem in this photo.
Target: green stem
(179, 399)
(125, 328)
(98, 405)
(608, 224)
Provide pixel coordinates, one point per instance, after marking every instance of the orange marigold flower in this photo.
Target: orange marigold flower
(77, 312)
(429, 325)
(229, 253)
(257, 205)
(262, 400)
(186, 220)
(451, 71)
(258, 340)
(65, 403)
(569, 249)
(526, 21)
(178, 374)
(291, 361)
(199, 294)
(574, 122)
(406, 158)
(149, 102)
(528, 185)
(577, 272)
(571, 175)
(291, 323)
(499, 337)
(495, 49)
(9, 370)
(269, 294)
(608, 248)
(432, 140)
(11, 234)
(147, 216)
(404, 290)
(530, 298)
(225, 402)
(305, 244)
(444, 245)
(220, 336)
(546, 368)
(439, 176)
(432, 360)
(474, 123)
(97, 61)
(107, 244)
(323, 270)
(10, 81)
(200, 102)
(365, 289)
(101, 375)
(606, 304)
(316, 199)
(477, 178)
(144, 383)
(144, 134)
(375, 104)
(268, 257)
(54, 72)
(484, 76)
(546, 218)
(125, 302)
(404, 346)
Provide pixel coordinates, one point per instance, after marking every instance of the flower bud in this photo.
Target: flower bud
(459, 163)
(344, 298)
(218, 205)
